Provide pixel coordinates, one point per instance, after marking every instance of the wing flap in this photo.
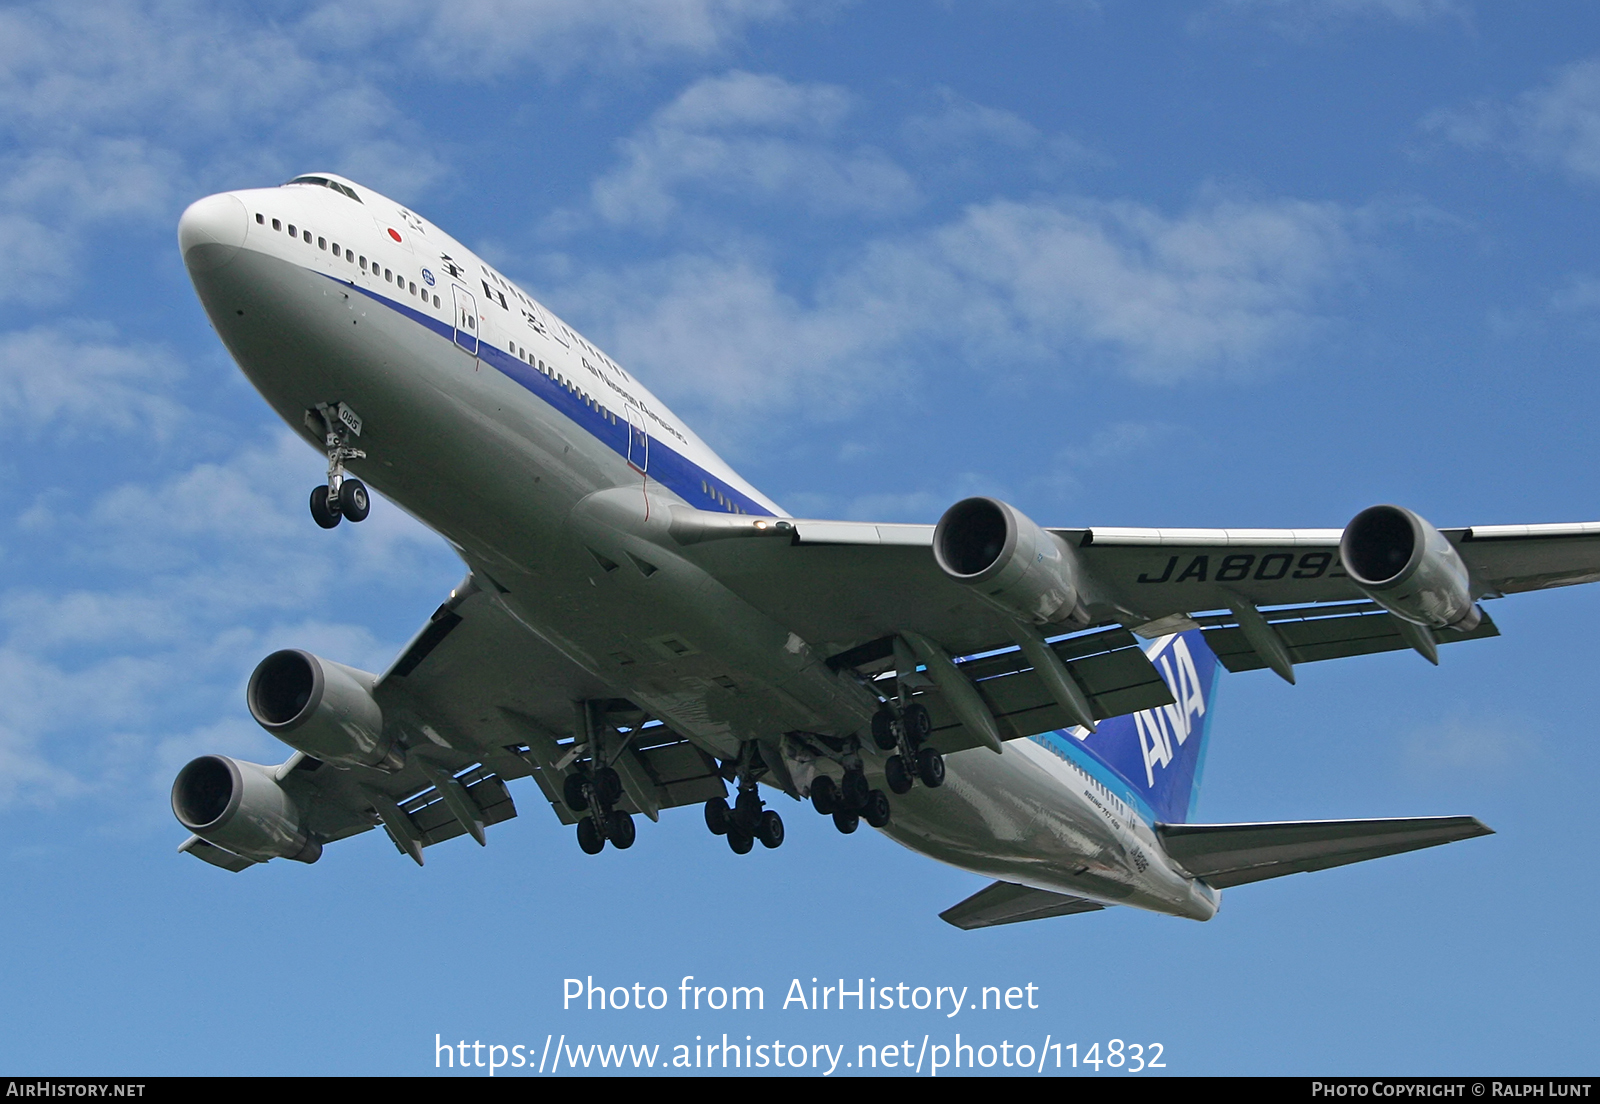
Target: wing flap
(1109, 664)
(1009, 903)
(682, 773)
(1313, 633)
(1226, 855)
(216, 856)
(436, 823)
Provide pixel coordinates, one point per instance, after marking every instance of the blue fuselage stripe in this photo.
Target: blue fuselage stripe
(664, 464)
(1060, 742)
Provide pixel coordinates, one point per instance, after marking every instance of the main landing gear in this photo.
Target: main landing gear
(343, 496)
(907, 736)
(595, 788)
(747, 820)
(851, 800)
(595, 791)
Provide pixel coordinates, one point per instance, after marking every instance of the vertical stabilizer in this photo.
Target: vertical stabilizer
(1158, 753)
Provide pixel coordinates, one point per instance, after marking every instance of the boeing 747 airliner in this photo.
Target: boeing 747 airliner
(640, 628)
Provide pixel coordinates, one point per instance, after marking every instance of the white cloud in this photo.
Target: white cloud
(1037, 287)
(1556, 125)
(1301, 14)
(72, 379)
(174, 591)
(127, 109)
(750, 137)
(1474, 746)
(1581, 296)
(470, 39)
(964, 130)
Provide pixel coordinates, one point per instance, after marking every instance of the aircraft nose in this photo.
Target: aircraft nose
(211, 231)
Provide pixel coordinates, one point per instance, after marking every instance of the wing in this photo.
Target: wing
(847, 581)
(1265, 598)
(481, 701)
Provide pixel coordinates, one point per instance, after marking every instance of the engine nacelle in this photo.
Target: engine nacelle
(1014, 564)
(1409, 568)
(322, 708)
(240, 807)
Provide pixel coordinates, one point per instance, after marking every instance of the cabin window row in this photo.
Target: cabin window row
(721, 499)
(349, 255)
(550, 370)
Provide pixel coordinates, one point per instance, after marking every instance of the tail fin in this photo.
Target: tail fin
(1158, 753)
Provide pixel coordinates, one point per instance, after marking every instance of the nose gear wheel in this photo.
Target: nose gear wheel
(343, 496)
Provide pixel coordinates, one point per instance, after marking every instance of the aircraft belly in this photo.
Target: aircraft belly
(1009, 817)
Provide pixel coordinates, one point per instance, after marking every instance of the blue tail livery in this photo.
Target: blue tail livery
(1157, 754)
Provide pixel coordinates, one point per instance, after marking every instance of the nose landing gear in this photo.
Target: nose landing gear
(343, 496)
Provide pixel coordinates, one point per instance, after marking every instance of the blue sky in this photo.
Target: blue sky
(1240, 262)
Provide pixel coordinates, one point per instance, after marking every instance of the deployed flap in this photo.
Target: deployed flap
(680, 771)
(1226, 855)
(1109, 664)
(1008, 903)
(1312, 633)
(216, 856)
(434, 819)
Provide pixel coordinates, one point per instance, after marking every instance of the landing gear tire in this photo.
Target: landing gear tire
(354, 501)
(896, 775)
(883, 733)
(741, 842)
(854, 791)
(918, 725)
(930, 767)
(824, 795)
(608, 785)
(846, 822)
(747, 812)
(323, 512)
(619, 826)
(589, 837)
(572, 793)
(876, 810)
(717, 816)
(770, 830)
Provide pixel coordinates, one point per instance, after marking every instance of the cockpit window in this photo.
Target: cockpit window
(322, 181)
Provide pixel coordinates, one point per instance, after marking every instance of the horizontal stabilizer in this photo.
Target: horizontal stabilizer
(1226, 855)
(1008, 903)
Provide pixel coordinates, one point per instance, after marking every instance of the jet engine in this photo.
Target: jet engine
(240, 807)
(1409, 568)
(1014, 564)
(322, 708)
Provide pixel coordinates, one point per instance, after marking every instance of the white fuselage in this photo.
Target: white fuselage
(540, 459)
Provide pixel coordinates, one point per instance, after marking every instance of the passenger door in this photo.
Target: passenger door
(638, 440)
(466, 318)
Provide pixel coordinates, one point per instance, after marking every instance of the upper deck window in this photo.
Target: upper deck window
(324, 182)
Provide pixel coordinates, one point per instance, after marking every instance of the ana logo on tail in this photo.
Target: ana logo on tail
(1157, 752)
(1165, 729)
